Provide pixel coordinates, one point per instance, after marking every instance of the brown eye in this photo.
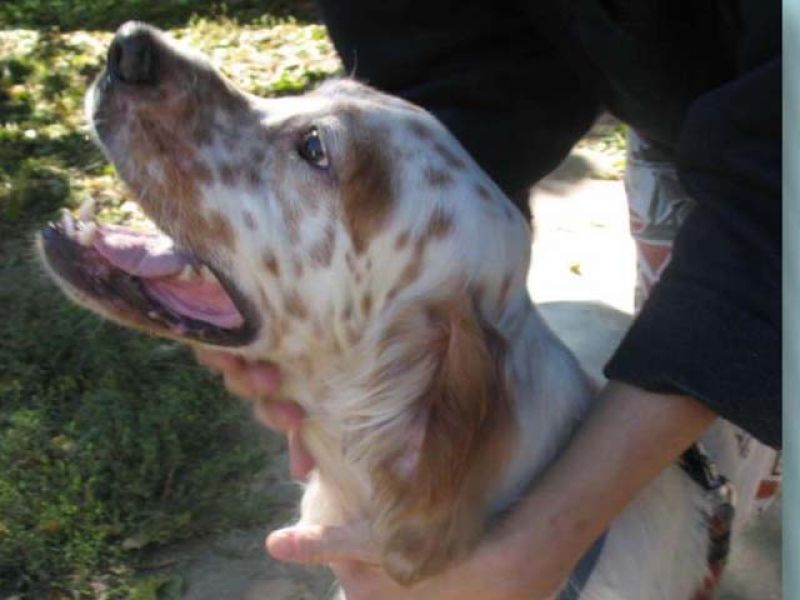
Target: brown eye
(312, 150)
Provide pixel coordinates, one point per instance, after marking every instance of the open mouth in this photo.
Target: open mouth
(142, 279)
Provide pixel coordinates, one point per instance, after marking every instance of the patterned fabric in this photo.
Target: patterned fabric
(658, 206)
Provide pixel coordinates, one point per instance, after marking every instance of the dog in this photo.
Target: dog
(347, 236)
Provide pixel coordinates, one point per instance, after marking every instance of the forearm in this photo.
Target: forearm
(628, 439)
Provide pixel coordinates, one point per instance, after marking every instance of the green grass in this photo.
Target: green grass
(606, 143)
(112, 443)
(68, 15)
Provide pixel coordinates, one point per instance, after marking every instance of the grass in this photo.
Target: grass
(605, 145)
(111, 443)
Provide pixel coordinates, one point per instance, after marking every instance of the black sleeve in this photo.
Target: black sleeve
(488, 70)
(712, 326)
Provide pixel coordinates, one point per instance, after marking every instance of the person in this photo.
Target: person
(699, 84)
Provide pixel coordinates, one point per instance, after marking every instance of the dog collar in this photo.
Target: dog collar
(583, 570)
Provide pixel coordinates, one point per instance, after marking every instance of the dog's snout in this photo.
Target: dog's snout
(133, 55)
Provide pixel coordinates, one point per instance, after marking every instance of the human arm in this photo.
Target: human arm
(626, 440)
(712, 325)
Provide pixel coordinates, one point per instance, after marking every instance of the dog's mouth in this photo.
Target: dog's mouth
(141, 278)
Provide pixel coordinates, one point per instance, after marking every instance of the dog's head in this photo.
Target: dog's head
(311, 213)
(343, 220)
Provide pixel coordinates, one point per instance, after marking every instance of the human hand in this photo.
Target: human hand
(259, 382)
(533, 552)
(500, 569)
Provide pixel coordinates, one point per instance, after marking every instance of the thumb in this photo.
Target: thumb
(320, 544)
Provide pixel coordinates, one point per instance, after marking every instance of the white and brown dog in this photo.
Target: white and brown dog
(346, 236)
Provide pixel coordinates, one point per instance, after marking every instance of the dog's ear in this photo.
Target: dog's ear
(459, 440)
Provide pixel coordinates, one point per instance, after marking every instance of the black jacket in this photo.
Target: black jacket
(520, 82)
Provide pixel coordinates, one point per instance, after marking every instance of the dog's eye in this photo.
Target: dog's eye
(312, 150)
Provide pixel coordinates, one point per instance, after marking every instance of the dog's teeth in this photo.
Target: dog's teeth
(86, 233)
(68, 223)
(207, 274)
(86, 209)
(188, 273)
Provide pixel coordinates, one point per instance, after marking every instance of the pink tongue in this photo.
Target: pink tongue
(201, 300)
(139, 253)
(153, 257)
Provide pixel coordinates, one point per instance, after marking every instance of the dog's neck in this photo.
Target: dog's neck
(550, 394)
(547, 390)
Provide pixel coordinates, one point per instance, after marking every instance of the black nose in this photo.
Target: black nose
(133, 56)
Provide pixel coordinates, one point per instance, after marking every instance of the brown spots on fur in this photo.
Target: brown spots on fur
(178, 182)
(205, 233)
(253, 176)
(505, 287)
(367, 195)
(483, 193)
(277, 328)
(297, 268)
(439, 226)
(353, 335)
(347, 312)
(249, 220)
(257, 155)
(322, 252)
(409, 275)
(402, 240)
(201, 172)
(201, 131)
(291, 218)
(352, 266)
(478, 293)
(271, 263)
(268, 308)
(438, 178)
(228, 174)
(420, 130)
(448, 156)
(366, 304)
(294, 306)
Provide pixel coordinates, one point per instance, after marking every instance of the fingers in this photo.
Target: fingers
(242, 378)
(259, 381)
(319, 545)
(300, 461)
(279, 414)
(216, 361)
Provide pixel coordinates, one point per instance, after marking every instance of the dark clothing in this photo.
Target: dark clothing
(520, 82)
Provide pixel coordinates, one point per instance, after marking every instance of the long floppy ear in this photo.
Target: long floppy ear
(435, 491)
